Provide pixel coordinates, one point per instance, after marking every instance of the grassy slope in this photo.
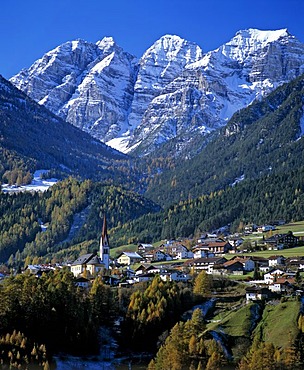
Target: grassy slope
(296, 227)
(279, 323)
(235, 323)
(114, 252)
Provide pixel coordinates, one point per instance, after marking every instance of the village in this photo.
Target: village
(217, 255)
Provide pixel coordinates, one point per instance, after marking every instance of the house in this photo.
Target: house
(90, 263)
(143, 248)
(184, 253)
(219, 247)
(142, 268)
(82, 282)
(206, 264)
(280, 241)
(148, 257)
(112, 280)
(174, 276)
(257, 293)
(270, 276)
(276, 260)
(264, 269)
(295, 263)
(38, 270)
(201, 251)
(33, 269)
(128, 258)
(265, 228)
(228, 267)
(273, 275)
(176, 250)
(143, 277)
(260, 261)
(235, 241)
(234, 267)
(282, 285)
(247, 262)
(160, 255)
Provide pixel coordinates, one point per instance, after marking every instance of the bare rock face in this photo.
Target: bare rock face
(159, 66)
(88, 85)
(208, 92)
(172, 91)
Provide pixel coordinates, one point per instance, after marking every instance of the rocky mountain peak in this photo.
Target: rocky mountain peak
(107, 44)
(247, 42)
(172, 91)
(168, 48)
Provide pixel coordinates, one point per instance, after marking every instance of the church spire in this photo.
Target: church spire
(104, 244)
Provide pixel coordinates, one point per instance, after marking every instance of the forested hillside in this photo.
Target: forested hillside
(262, 139)
(22, 214)
(34, 138)
(277, 196)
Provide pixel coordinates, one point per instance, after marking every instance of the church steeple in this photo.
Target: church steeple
(104, 244)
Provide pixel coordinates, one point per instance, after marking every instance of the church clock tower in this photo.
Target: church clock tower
(104, 245)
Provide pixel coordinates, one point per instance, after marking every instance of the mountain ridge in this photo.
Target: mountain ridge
(263, 138)
(33, 138)
(174, 89)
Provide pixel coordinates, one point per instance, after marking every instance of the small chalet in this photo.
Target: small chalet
(87, 262)
(219, 247)
(266, 228)
(142, 268)
(247, 262)
(235, 241)
(128, 258)
(257, 294)
(160, 255)
(276, 261)
(228, 267)
(176, 250)
(205, 264)
(202, 251)
(234, 267)
(283, 285)
(143, 248)
(260, 261)
(273, 275)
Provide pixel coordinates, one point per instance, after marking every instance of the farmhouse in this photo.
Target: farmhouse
(128, 258)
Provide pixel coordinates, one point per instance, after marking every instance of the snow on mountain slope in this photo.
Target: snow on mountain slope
(172, 91)
(223, 81)
(89, 85)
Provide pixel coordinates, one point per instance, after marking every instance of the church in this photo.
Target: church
(91, 262)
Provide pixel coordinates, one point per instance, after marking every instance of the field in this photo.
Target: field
(296, 227)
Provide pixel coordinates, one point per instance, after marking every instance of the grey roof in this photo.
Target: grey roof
(131, 254)
(87, 259)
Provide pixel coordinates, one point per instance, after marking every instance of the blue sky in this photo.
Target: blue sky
(30, 28)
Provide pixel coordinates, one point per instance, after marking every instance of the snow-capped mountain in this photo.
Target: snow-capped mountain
(225, 80)
(173, 90)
